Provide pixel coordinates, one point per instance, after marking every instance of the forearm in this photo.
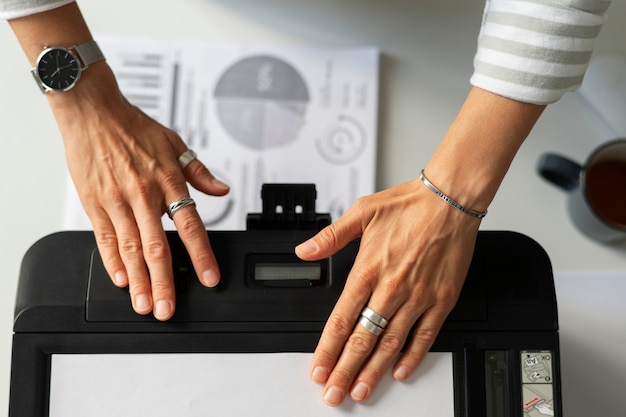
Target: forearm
(527, 53)
(11, 9)
(477, 150)
(95, 93)
(63, 26)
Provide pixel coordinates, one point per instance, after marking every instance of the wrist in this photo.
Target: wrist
(476, 152)
(94, 105)
(96, 87)
(466, 185)
(447, 199)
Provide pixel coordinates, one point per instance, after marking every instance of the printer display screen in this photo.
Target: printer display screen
(287, 271)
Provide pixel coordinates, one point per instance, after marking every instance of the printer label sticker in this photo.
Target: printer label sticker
(537, 383)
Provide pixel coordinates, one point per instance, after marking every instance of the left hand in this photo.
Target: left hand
(414, 255)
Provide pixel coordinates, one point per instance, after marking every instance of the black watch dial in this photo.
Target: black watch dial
(58, 69)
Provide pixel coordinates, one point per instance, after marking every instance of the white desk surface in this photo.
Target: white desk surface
(427, 49)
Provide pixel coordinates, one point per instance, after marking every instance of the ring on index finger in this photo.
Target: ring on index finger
(186, 157)
(178, 204)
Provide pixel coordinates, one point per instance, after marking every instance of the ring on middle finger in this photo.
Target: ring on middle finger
(179, 204)
(371, 327)
(374, 317)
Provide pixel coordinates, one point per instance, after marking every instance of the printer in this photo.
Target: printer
(502, 334)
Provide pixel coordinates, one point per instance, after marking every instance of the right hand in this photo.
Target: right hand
(413, 258)
(124, 166)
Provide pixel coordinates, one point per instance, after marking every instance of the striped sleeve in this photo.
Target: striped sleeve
(11, 9)
(536, 50)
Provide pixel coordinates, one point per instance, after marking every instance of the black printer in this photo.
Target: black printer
(503, 332)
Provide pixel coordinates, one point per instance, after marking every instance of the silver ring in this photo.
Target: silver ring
(370, 327)
(186, 158)
(178, 204)
(374, 317)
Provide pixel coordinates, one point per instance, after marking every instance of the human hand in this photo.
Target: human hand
(125, 169)
(413, 258)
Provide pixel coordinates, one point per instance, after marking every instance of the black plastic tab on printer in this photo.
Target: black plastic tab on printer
(288, 206)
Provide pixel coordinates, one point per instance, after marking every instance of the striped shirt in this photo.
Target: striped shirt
(536, 50)
(528, 50)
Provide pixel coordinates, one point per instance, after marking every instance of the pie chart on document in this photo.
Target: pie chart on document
(261, 102)
(343, 141)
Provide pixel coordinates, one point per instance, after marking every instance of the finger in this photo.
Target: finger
(339, 340)
(421, 341)
(332, 238)
(107, 242)
(390, 343)
(121, 249)
(157, 257)
(200, 178)
(188, 222)
(141, 221)
(356, 350)
(390, 301)
(381, 306)
(130, 249)
(191, 227)
(338, 328)
(196, 240)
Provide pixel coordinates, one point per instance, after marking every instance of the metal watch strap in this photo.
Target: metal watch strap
(88, 53)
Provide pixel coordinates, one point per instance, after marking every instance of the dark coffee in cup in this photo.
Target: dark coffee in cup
(605, 183)
(596, 190)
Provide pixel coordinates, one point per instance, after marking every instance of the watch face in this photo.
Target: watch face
(58, 69)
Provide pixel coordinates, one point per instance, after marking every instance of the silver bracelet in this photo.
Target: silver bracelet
(450, 201)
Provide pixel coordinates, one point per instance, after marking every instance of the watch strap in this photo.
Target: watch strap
(88, 53)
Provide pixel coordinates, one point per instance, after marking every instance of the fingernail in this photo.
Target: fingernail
(401, 373)
(120, 279)
(359, 392)
(320, 374)
(307, 247)
(334, 396)
(162, 309)
(210, 278)
(142, 303)
(219, 183)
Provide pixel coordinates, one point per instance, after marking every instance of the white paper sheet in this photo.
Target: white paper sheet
(256, 114)
(201, 385)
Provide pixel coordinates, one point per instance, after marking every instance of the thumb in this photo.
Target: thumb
(330, 239)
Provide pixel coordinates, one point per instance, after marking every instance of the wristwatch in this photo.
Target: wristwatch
(59, 69)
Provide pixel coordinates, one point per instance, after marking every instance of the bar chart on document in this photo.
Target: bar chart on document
(256, 114)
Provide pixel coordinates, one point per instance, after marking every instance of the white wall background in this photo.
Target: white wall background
(427, 48)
